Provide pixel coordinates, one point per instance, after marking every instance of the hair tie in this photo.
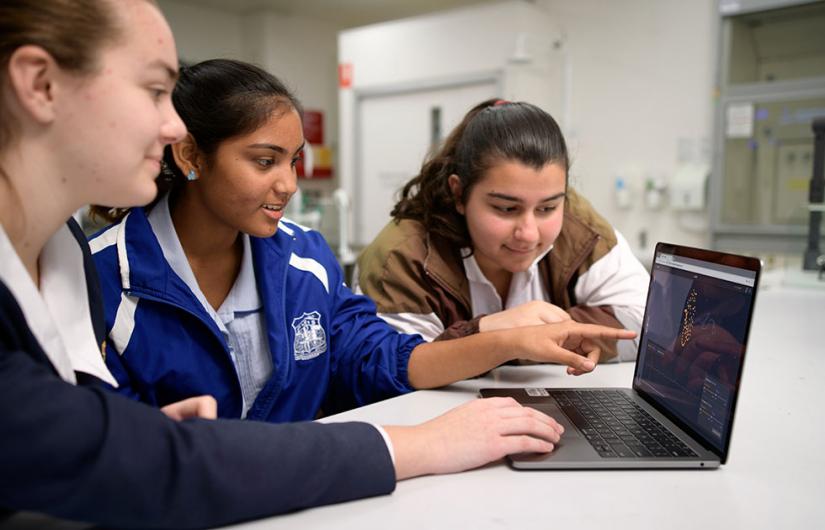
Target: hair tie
(500, 102)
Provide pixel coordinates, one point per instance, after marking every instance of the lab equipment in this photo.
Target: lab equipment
(814, 259)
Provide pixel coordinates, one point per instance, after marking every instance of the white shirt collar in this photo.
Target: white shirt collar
(244, 294)
(57, 313)
(525, 286)
(243, 297)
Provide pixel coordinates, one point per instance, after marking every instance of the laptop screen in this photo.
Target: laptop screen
(693, 338)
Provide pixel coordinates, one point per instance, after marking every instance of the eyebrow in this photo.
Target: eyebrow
(276, 148)
(502, 196)
(171, 72)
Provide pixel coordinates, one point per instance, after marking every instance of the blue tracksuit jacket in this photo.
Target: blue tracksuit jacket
(329, 350)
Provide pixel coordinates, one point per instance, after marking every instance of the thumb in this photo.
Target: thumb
(564, 356)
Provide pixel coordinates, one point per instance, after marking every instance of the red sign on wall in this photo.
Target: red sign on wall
(314, 127)
(321, 154)
(345, 75)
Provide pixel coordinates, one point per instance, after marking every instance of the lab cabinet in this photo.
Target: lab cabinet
(771, 86)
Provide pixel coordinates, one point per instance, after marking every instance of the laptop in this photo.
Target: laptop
(679, 411)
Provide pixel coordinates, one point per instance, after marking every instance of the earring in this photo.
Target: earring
(191, 175)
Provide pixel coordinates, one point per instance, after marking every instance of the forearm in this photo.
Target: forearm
(473, 434)
(440, 363)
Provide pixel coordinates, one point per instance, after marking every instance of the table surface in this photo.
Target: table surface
(775, 475)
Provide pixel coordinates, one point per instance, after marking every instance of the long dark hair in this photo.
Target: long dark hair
(493, 131)
(217, 100)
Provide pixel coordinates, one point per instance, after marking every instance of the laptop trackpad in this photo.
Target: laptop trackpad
(553, 410)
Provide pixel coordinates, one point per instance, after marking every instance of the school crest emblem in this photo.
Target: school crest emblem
(310, 337)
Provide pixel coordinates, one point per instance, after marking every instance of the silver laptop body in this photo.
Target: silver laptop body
(680, 411)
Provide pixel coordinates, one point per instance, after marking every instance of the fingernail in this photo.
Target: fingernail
(589, 365)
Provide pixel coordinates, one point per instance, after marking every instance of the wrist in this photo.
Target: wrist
(506, 345)
(410, 461)
(483, 323)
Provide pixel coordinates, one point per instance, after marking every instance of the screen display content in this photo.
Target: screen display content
(692, 346)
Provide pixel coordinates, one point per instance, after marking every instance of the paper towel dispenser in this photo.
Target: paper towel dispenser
(688, 189)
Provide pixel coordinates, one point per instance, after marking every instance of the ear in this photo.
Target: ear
(32, 73)
(187, 155)
(456, 189)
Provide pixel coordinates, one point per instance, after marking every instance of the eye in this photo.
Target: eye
(158, 93)
(295, 160)
(505, 209)
(264, 162)
(546, 210)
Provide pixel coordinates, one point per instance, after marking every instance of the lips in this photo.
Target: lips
(273, 211)
(155, 163)
(520, 251)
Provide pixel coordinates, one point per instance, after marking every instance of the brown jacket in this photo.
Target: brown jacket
(407, 271)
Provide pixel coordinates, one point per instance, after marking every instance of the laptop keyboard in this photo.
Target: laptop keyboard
(617, 427)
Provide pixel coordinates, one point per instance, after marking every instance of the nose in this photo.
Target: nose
(286, 182)
(172, 129)
(527, 230)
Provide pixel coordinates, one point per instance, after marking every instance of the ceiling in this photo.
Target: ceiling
(343, 13)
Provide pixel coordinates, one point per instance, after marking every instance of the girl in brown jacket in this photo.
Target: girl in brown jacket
(489, 235)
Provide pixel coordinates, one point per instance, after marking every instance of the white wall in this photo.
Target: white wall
(204, 33)
(442, 44)
(299, 50)
(641, 80)
(302, 52)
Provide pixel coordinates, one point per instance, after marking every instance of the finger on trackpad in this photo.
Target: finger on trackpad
(570, 431)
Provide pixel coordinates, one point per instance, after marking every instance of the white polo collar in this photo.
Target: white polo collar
(525, 286)
(243, 297)
(57, 313)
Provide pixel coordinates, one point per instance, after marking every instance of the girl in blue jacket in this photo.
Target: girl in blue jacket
(210, 291)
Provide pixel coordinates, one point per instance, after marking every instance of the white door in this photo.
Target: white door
(395, 132)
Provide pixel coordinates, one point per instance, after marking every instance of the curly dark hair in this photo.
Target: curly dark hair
(217, 100)
(491, 132)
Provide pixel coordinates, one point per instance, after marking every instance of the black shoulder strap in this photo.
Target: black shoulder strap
(92, 283)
